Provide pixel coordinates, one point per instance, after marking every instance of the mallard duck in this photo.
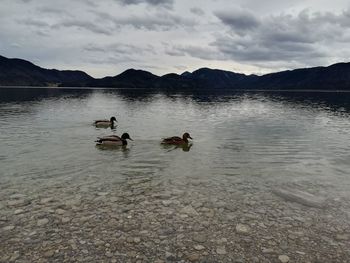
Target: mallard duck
(114, 140)
(105, 123)
(177, 140)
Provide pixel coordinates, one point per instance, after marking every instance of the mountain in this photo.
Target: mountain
(17, 72)
(130, 78)
(220, 78)
(336, 76)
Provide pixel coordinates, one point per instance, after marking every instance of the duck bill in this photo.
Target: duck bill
(130, 139)
(190, 137)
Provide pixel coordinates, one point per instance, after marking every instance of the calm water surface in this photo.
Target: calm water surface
(269, 139)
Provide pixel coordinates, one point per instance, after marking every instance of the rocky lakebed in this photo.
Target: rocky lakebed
(144, 219)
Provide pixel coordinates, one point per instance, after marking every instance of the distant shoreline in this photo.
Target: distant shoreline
(178, 90)
(20, 73)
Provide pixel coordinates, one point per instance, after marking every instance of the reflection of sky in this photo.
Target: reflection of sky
(273, 137)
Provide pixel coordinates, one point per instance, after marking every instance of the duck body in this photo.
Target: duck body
(105, 123)
(114, 140)
(175, 140)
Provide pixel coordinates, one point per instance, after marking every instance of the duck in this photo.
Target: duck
(177, 140)
(114, 140)
(105, 123)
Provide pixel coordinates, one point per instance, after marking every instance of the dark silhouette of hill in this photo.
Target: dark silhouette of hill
(130, 78)
(334, 77)
(18, 72)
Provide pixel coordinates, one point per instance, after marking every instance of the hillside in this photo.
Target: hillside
(18, 72)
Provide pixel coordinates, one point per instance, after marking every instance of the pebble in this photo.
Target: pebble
(42, 222)
(84, 219)
(221, 251)
(301, 197)
(199, 247)
(49, 253)
(60, 211)
(166, 202)
(283, 258)
(18, 203)
(65, 220)
(170, 256)
(8, 228)
(342, 237)
(18, 196)
(199, 238)
(73, 202)
(46, 200)
(242, 229)
(15, 256)
(193, 257)
(268, 251)
(113, 199)
(189, 210)
(19, 211)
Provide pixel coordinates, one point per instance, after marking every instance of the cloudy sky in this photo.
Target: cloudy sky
(107, 37)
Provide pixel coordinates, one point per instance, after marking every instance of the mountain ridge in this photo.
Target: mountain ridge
(19, 72)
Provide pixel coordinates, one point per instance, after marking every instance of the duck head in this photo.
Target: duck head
(126, 136)
(186, 136)
(113, 119)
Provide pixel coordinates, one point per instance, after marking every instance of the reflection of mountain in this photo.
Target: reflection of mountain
(17, 72)
(333, 101)
(37, 94)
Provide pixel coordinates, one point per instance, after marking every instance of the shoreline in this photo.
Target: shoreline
(179, 90)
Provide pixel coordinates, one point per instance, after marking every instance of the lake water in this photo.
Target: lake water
(245, 144)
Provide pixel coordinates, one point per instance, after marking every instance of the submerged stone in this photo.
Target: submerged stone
(42, 222)
(300, 197)
(283, 258)
(189, 210)
(243, 229)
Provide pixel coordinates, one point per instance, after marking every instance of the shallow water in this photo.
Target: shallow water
(245, 145)
(47, 136)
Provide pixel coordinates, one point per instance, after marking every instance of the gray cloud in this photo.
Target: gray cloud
(120, 48)
(202, 52)
(253, 51)
(149, 2)
(33, 22)
(86, 25)
(112, 60)
(197, 11)
(156, 21)
(239, 20)
(51, 10)
(284, 37)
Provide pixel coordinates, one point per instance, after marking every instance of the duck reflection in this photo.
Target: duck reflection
(184, 147)
(107, 148)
